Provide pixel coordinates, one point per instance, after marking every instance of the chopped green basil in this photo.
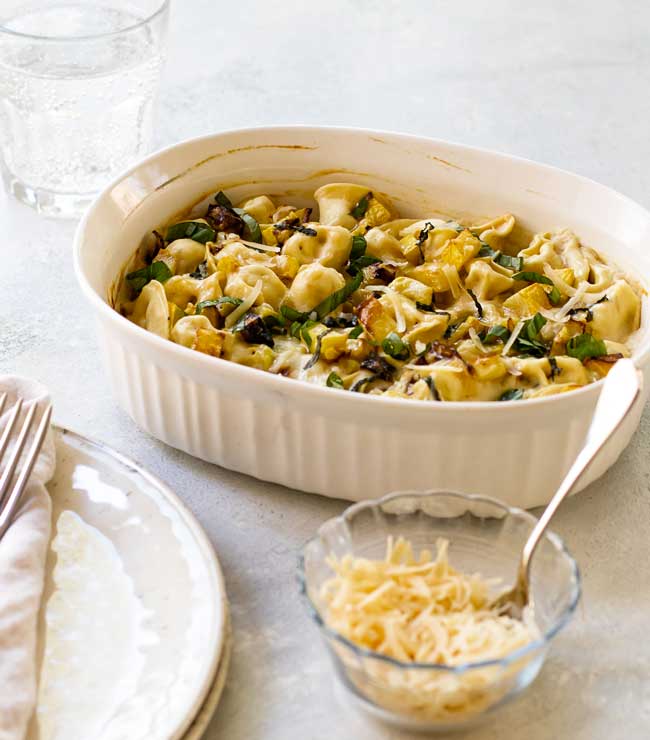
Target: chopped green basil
(424, 234)
(364, 261)
(451, 328)
(555, 370)
(432, 387)
(305, 332)
(529, 276)
(224, 300)
(356, 332)
(315, 357)
(334, 381)
(195, 230)
(359, 210)
(510, 263)
(359, 384)
(495, 333)
(479, 308)
(358, 257)
(515, 394)
(222, 199)
(505, 260)
(155, 271)
(252, 233)
(584, 346)
(290, 226)
(292, 315)
(359, 245)
(534, 277)
(337, 297)
(431, 309)
(275, 323)
(527, 342)
(394, 347)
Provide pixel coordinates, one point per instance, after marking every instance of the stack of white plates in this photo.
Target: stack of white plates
(134, 630)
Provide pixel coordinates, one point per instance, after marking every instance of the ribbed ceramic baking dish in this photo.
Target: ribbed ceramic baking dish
(319, 439)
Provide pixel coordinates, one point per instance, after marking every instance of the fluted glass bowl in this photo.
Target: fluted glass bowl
(485, 537)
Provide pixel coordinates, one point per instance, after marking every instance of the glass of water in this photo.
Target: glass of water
(78, 86)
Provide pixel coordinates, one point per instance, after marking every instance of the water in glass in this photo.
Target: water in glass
(76, 100)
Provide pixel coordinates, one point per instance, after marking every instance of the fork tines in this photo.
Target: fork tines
(15, 471)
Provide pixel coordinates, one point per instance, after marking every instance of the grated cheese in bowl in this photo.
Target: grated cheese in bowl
(414, 638)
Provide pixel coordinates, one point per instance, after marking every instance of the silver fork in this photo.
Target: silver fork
(10, 494)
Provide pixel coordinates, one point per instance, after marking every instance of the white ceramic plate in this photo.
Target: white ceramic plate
(202, 720)
(135, 612)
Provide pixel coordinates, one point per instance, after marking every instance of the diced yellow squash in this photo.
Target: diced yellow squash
(462, 329)
(430, 274)
(428, 331)
(268, 236)
(415, 290)
(410, 249)
(333, 345)
(598, 368)
(490, 368)
(528, 301)
(377, 213)
(359, 349)
(376, 320)
(284, 266)
(458, 251)
(214, 343)
(570, 329)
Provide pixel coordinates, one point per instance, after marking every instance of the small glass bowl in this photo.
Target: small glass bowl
(485, 537)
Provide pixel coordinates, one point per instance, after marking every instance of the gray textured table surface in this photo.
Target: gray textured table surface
(565, 83)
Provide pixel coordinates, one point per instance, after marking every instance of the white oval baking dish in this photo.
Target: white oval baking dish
(319, 439)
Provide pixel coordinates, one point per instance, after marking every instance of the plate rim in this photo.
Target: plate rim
(209, 557)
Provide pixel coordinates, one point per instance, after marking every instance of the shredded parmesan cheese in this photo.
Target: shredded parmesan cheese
(395, 302)
(262, 247)
(233, 317)
(573, 302)
(512, 338)
(473, 335)
(422, 610)
(453, 278)
(558, 281)
(451, 365)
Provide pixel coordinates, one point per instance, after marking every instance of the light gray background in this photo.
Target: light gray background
(564, 82)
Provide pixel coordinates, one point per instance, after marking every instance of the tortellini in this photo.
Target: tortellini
(330, 246)
(151, 309)
(240, 283)
(312, 284)
(182, 256)
(344, 293)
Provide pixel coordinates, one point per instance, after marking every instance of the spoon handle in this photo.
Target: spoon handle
(621, 388)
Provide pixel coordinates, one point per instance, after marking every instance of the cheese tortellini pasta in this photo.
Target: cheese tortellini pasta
(351, 296)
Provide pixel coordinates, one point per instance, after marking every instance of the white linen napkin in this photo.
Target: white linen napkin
(23, 551)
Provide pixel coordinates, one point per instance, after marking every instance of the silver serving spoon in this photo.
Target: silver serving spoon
(620, 390)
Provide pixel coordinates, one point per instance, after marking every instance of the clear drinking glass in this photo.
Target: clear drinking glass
(78, 86)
